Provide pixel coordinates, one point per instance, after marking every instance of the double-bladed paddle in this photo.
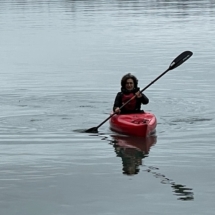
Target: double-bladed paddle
(175, 63)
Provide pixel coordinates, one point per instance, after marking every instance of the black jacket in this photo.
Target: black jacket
(118, 101)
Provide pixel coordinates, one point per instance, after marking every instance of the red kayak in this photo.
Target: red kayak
(136, 124)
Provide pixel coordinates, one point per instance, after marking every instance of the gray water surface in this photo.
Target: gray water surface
(61, 63)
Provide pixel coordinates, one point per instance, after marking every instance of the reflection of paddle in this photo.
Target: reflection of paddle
(175, 63)
(184, 193)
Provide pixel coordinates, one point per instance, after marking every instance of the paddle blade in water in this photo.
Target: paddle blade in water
(92, 130)
(180, 59)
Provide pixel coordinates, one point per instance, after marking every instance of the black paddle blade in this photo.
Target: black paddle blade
(92, 130)
(180, 59)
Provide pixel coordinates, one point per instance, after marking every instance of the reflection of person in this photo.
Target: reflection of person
(131, 159)
(132, 150)
(129, 88)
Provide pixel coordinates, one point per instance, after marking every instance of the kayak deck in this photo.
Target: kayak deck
(135, 124)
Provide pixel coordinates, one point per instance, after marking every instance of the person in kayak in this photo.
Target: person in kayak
(129, 88)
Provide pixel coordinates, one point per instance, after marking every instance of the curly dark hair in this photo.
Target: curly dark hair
(126, 77)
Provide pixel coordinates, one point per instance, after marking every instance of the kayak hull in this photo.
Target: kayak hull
(136, 124)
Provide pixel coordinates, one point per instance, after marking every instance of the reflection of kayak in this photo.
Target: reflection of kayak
(137, 143)
(136, 124)
(132, 150)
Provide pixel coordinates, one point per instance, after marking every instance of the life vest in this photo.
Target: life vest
(132, 104)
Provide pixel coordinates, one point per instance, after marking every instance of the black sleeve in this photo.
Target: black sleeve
(118, 101)
(144, 99)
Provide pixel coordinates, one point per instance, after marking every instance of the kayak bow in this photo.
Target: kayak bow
(136, 124)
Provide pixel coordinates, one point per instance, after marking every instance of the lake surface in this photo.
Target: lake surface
(61, 63)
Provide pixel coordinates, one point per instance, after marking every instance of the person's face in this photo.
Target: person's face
(129, 84)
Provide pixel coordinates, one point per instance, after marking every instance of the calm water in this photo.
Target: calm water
(61, 63)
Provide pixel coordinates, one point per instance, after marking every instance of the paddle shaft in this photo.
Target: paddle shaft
(175, 63)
